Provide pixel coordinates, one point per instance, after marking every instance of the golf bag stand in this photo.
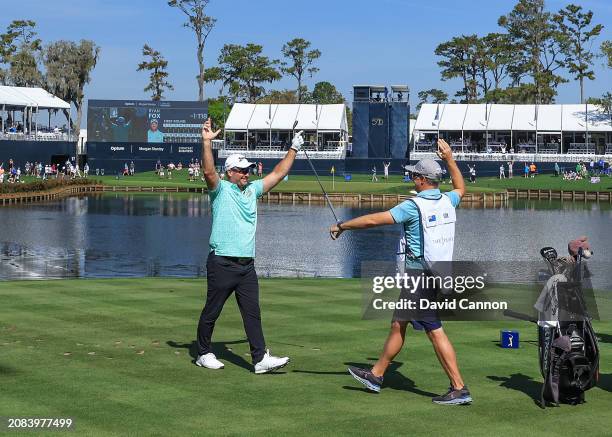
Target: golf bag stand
(568, 350)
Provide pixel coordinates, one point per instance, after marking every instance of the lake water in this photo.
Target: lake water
(167, 235)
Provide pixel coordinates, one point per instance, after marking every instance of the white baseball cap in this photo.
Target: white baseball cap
(237, 160)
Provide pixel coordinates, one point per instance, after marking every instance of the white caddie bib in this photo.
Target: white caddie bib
(438, 228)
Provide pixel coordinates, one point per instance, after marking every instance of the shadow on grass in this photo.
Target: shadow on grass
(220, 349)
(604, 338)
(605, 381)
(522, 383)
(393, 379)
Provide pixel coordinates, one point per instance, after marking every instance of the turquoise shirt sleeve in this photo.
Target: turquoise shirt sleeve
(405, 212)
(258, 187)
(214, 193)
(454, 198)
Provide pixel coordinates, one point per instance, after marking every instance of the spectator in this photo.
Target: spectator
(386, 166)
(1, 174)
(374, 178)
(557, 170)
(132, 168)
(86, 170)
(510, 169)
(502, 172)
(526, 170)
(260, 169)
(532, 170)
(472, 170)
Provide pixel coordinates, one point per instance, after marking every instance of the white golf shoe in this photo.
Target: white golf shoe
(270, 363)
(209, 361)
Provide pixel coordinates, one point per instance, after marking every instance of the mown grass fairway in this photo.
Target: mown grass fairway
(361, 183)
(116, 355)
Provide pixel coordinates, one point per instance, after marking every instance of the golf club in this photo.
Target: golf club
(318, 180)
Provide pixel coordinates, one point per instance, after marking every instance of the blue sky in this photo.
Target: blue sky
(382, 42)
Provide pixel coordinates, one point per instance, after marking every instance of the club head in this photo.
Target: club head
(548, 253)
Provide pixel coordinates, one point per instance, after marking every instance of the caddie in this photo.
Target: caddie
(428, 221)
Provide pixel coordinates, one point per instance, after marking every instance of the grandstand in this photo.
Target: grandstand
(498, 132)
(265, 130)
(25, 104)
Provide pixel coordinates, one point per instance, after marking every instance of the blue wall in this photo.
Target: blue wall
(35, 151)
(112, 157)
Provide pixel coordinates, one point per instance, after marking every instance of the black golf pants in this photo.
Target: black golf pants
(225, 276)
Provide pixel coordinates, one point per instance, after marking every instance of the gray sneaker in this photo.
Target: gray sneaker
(454, 397)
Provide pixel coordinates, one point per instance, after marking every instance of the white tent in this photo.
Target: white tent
(265, 129)
(29, 100)
(536, 119)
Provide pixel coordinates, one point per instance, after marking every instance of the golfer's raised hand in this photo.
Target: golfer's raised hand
(335, 232)
(444, 151)
(298, 141)
(207, 132)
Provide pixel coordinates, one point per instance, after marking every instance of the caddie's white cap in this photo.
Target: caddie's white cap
(237, 160)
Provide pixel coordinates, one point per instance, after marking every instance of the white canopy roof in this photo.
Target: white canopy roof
(524, 118)
(429, 117)
(239, 116)
(476, 117)
(34, 97)
(499, 116)
(549, 118)
(452, 117)
(248, 116)
(543, 118)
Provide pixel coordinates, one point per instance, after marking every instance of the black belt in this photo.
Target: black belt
(238, 260)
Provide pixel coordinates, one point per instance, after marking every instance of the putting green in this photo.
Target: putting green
(116, 355)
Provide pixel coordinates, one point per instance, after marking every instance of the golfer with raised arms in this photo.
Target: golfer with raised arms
(428, 232)
(230, 265)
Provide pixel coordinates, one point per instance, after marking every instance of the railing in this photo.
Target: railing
(40, 136)
(581, 148)
(522, 157)
(330, 150)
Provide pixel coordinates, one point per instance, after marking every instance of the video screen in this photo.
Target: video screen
(138, 121)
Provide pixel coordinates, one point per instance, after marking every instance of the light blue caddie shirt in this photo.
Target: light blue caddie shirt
(155, 137)
(408, 214)
(234, 218)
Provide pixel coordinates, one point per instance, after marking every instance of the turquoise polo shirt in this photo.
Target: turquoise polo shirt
(234, 218)
(155, 137)
(407, 213)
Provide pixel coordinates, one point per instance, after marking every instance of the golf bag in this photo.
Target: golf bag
(568, 350)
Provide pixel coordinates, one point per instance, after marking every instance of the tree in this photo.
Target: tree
(606, 51)
(19, 48)
(536, 39)
(499, 56)
(301, 59)
(157, 78)
(243, 69)
(324, 93)
(276, 96)
(605, 101)
(436, 95)
(68, 67)
(460, 59)
(218, 110)
(202, 25)
(577, 32)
